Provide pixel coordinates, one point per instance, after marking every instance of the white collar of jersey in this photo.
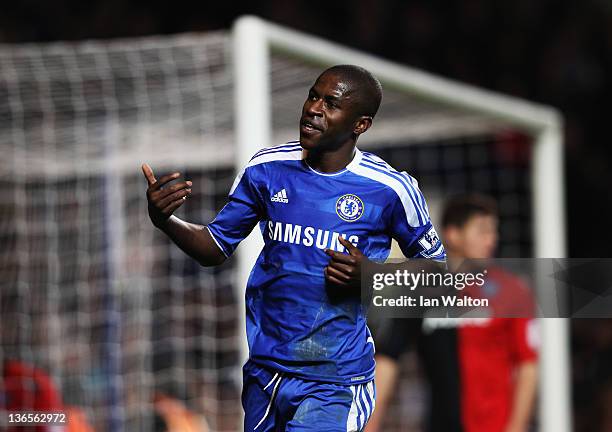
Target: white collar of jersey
(354, 162)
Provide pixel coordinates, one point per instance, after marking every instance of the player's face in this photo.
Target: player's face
(477, 239)
(328, 118)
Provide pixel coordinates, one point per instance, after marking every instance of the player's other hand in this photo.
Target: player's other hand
(343, 269)
(163, 201)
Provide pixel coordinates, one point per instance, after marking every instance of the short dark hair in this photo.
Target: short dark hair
(366, 85)
(459, 209)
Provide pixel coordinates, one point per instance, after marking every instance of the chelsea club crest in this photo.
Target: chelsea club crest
(349, 207)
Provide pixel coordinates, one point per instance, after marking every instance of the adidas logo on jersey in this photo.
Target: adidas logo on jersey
(280, 197)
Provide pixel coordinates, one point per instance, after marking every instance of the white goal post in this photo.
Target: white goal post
(254, 41)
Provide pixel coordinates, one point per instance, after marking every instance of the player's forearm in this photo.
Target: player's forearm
(524, 396)
(193, 239)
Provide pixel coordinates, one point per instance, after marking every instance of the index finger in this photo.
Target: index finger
(148, 173)
(162, 181)
(348, 245)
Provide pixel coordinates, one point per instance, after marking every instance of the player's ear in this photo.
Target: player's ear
(362, 124)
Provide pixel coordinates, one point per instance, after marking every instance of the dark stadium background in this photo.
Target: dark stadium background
(557, 52)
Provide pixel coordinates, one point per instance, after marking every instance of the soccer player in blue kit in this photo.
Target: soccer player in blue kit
(323, 208)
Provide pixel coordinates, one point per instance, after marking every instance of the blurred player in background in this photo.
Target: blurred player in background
(174, 416)
(30, 389)
(27, 388)
(482, 372)
(323, 207)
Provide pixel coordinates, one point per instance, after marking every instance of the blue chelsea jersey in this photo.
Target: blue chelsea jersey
(296, 322)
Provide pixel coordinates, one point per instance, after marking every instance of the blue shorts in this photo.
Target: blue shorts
(278, 402)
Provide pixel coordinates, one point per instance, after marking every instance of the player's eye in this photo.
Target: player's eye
(331, 104)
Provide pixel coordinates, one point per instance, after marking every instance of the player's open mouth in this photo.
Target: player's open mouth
(308, 128)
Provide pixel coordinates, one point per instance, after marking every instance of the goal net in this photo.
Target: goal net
(103, 303)
(90, 291)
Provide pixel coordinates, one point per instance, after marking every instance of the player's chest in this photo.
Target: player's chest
(326, 204)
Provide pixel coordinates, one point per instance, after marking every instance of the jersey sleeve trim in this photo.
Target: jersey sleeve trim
(217, 242)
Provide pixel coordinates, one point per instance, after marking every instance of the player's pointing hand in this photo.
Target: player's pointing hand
(343, 269)
(163, 201)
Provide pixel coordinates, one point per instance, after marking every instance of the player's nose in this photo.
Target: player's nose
(314, 108)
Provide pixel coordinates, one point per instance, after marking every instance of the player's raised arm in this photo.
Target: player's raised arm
(195, 240)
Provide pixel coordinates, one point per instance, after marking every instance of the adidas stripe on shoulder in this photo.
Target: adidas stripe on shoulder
(405, 186)
(283, 148)
(290, 151)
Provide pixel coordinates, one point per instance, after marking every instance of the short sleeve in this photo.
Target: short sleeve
(239, 216)
(525, 335)
(411, 227)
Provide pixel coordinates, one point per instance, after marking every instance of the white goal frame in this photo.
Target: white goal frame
(253, 42)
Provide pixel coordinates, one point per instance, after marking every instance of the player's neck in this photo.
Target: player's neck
(331, 161)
